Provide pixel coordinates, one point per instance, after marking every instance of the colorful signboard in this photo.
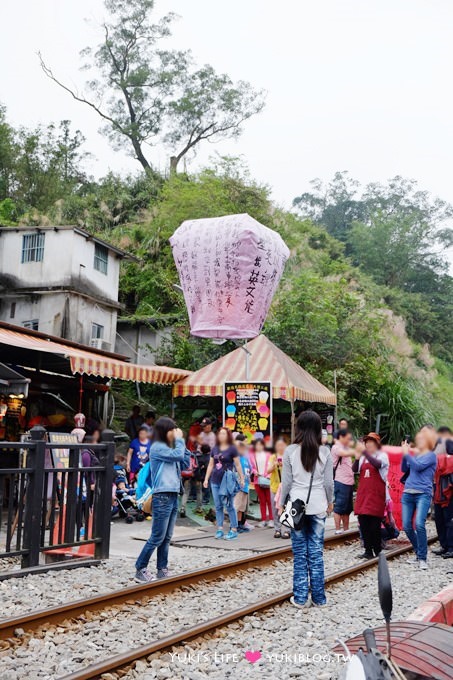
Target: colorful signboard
(247, 408)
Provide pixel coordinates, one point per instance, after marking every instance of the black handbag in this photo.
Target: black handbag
(293, 514)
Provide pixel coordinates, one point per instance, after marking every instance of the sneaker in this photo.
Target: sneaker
(270, 524)
(412, 560)
(339, 531)
(163, 573)
(262, 524)
(306, 604)
(324, 604)
(144, 576)
(439, 551)
(423, 564)
(231, 535)
(248, 526)
(243, 530)
(448, 555)
(365, 556)
(182, 513)
(219, 534)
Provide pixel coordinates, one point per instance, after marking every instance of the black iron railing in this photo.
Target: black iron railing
(49, 507)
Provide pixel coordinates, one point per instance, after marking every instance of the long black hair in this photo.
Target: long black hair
(161, 429)
(308, 435)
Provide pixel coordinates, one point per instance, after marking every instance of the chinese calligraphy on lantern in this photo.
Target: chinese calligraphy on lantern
(248, 408)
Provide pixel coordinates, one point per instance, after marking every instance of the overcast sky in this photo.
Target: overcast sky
(358, 85)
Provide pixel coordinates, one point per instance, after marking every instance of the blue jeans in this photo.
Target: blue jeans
(416, 504)
(165, 511)
(219, 505)
(308, 545)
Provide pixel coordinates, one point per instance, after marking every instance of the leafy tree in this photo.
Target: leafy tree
(8, 150)
(38, 167)
(208, 107)
(398, 235)
(147, 93)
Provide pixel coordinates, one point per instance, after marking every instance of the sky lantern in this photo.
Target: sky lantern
(229, 268)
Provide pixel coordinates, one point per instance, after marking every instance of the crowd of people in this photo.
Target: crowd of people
(351, 476)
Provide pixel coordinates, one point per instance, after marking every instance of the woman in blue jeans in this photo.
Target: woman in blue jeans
(161, 476)
(224, 456)
(307, 475)
(419, 472)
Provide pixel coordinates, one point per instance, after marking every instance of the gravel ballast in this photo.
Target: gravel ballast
(281, 635)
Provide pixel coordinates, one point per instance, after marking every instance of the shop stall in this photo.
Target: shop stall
(59, 378)
(245, 379)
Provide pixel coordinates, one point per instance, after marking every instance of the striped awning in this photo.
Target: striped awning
(85, 361)
(267, 362)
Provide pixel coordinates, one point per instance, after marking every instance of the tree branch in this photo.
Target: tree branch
(48, 72)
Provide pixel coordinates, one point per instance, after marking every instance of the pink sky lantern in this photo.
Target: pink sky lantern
(229, 268)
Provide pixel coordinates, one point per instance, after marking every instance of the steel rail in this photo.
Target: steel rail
(119, 661)
(71, 610)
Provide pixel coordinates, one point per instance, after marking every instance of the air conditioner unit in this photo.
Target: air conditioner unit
(99, 343)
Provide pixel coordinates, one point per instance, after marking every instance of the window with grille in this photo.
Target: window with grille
(32, 324)
(101, 258)
(33, 247)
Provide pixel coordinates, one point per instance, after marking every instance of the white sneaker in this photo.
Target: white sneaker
(270, 524)
(306, 605)
(339, 531)
(262, 524)
(247, 525)
(423, 564)
(412, 560)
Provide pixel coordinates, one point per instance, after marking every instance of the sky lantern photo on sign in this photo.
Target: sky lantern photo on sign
(229, 268)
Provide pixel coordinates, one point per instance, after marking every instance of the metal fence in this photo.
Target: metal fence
(48, 509)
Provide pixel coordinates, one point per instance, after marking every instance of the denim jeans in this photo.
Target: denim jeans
(165, 511)
(416, 504)
(219, 512)
(308, 545)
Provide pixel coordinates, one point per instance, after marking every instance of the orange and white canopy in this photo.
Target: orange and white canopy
(267, 362)
(20, 347)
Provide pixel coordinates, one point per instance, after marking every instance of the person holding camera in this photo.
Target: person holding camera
(419, 471)
(307, 482)
(372, 465)
(162, 477)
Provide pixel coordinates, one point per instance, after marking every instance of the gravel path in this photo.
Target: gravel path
(61, 650)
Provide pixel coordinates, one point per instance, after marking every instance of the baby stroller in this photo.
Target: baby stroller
(125, 499)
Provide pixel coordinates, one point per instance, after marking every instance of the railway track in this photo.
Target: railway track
(71, 610)
(121, 661)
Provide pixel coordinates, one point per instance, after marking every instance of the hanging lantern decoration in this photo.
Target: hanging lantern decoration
(229, 268)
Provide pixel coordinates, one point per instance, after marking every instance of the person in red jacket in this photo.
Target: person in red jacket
(443, 504)
(372, 466)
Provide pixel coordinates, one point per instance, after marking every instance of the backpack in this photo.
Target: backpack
(190, 471)
(202, 462)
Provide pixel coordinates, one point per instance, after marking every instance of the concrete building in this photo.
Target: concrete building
(139, 339)
(61, 281)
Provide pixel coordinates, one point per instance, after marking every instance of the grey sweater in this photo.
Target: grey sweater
(296, 480)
